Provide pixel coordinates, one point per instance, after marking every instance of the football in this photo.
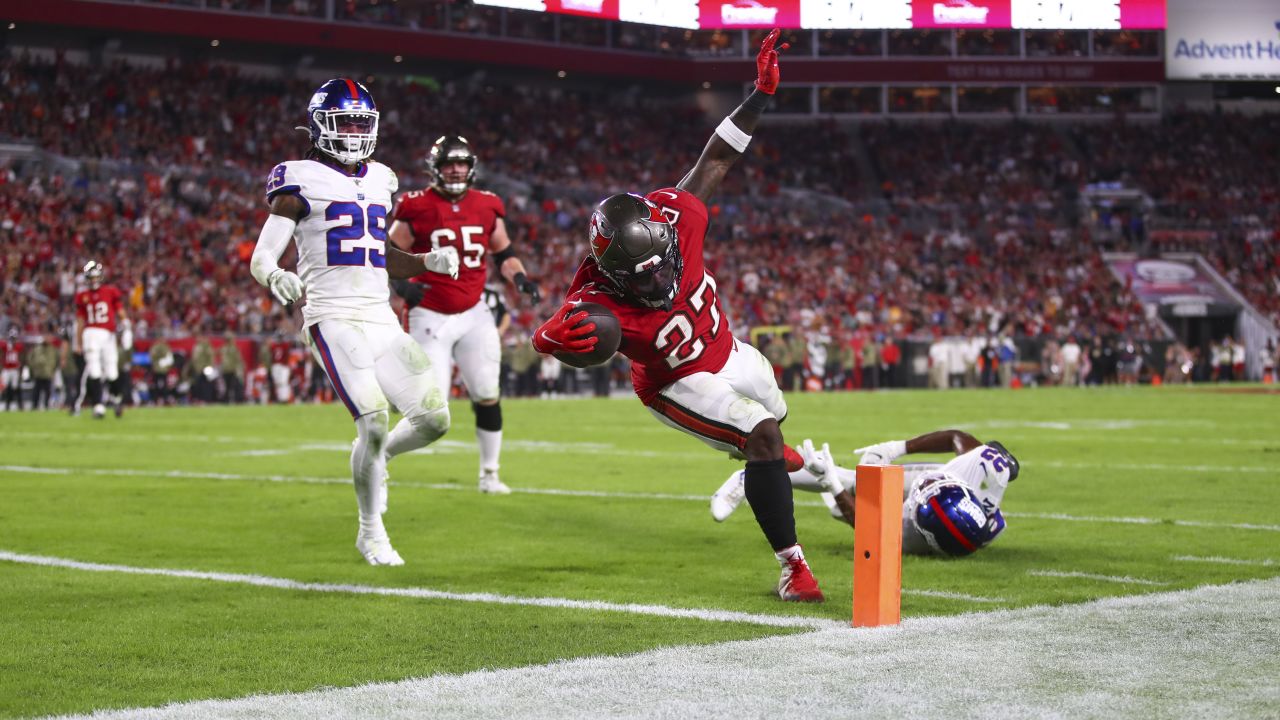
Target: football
(608, 334)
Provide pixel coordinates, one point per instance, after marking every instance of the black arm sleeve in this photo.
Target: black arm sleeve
(502, 255)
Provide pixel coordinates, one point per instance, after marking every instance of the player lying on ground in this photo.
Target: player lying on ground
(448, 316)
(646, 267)
(334, 204)
(947, 509)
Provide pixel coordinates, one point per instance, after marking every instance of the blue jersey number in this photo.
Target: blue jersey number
(354, 230)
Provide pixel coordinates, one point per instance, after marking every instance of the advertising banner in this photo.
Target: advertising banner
(1176, 287)
(960, 14)
(1224, 39)
(729, 14)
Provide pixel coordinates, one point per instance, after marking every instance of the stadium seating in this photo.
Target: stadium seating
(949, 228)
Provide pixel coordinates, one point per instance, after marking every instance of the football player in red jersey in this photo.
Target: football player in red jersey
(11, 352)
(646, 266)
(99, 314)
(448, 316)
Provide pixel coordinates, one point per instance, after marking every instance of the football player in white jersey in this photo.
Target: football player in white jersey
(334, 204)
(950, 508)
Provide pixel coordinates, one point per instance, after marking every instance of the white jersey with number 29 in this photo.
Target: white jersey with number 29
(342, 239)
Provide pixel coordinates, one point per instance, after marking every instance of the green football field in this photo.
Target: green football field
(192, 553)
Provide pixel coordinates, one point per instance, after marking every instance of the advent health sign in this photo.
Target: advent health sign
(1223, 39)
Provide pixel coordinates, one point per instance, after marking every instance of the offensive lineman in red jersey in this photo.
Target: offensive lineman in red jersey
(447, 316)
(99, 313)
(646, 266)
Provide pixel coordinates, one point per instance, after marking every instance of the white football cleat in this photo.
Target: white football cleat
(729, 496)
(491, 485)
(378, 550)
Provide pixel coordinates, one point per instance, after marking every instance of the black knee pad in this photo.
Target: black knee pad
(488, 417)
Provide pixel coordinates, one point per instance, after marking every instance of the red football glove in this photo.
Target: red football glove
(563, 334)
(767, 63)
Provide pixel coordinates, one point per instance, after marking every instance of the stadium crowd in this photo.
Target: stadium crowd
(973, 239)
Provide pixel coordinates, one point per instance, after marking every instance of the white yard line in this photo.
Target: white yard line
(729, 616)
(314, 480)
(1223, 560)
(1161, 467)
(1122, 579)
(948, 595)
(1143, 521)
(1201, 653)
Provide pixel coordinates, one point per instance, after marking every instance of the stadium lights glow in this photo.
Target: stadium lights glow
(1277, 87)
(214, 43)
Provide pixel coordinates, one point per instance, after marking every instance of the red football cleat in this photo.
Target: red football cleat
(791, 458)
(797, 583)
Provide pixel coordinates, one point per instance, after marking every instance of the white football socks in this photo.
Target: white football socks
(368, 468)
(490, 442)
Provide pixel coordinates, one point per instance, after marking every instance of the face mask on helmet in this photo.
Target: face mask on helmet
(657, 285)
(348, 136)
(951, 518)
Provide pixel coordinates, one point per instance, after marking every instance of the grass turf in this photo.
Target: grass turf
(77, 641)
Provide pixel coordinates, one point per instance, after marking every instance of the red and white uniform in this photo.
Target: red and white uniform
(686, 366)
(97, 310)
(11, 357)
(281, 375)
(453, 323)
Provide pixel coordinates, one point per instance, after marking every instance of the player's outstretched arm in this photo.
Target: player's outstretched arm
(733, 134)
(286, 210)
(942, 441)
(957, 441)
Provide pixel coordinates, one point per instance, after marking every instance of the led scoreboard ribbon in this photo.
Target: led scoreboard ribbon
(864, 14)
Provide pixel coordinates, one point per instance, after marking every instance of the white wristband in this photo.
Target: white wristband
(733, 135)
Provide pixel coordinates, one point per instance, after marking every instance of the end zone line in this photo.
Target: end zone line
(313, 480)
(1123, 579)
(726, 616)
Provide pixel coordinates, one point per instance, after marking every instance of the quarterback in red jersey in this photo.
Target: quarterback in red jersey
(99, 314)
(11, 352)
(645, 265)
(446, 315)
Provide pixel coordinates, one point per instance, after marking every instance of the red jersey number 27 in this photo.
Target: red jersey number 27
(471, 252)
(675, 337)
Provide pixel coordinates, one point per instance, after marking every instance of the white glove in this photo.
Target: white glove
(821, 465)
(443, 261)
(286, 286)
(882, 453)
(126, 335)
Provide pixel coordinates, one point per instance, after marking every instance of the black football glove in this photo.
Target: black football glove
(410, 291)
(528, 287)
